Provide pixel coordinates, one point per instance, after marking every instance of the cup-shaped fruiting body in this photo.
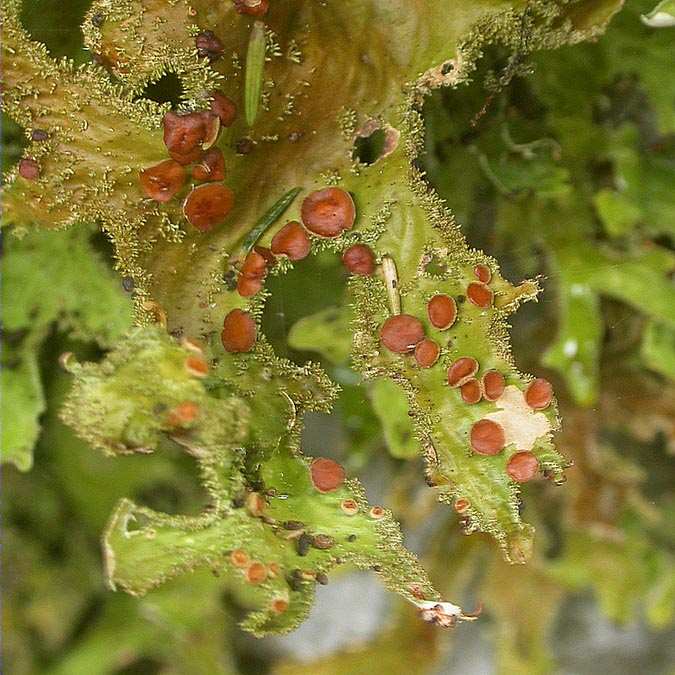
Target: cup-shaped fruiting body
(239, 331)
(211, 166)
(183, 414)
(196, 366)
(224, 107)
(401, 333)
(208, 45)
(256, 573)
(29, 169)
(254, 271)
(279, 605)
(292, 241)
(522, 466)
(162, 181)
(493, 385)
(480, 294)
(208, 205)
(487, 437)
(461, 370)
(326, 474)
(239, 558)
(376, 512)
(426, 353)
(539, 394)
(442, 311)
(349, 506)
(471, 391)
(483, 273)
(461, 505)
(359, 259)
(328, 212)
(186, 135)
(247, 287)
(252, 7)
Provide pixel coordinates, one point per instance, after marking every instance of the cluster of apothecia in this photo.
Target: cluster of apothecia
(190, 140)
(325, 213)
(326, 476)
(330, 212)
(404, 334)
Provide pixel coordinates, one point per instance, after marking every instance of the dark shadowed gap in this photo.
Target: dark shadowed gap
(368, 149)
(168, 89)
(12, 143)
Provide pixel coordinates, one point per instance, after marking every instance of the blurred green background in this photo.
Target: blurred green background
(561, 166)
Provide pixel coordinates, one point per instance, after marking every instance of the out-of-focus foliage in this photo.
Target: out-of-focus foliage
(567, 173)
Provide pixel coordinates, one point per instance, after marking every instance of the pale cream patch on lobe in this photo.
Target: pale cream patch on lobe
(522, 425)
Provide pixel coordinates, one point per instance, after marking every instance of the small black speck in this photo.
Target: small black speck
(351, 537)
(39, 135)
(128, 284)
(461, 299)
(322, 578)
(447, 68)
